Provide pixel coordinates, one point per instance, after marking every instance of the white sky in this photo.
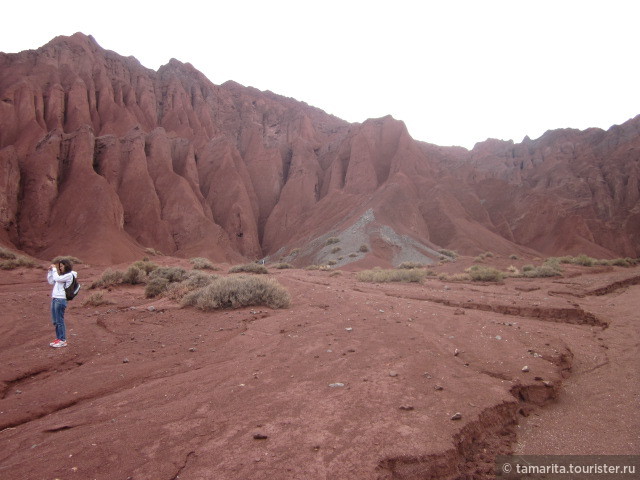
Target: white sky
(455, 71)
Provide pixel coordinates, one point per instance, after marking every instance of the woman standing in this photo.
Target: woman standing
(59, 298)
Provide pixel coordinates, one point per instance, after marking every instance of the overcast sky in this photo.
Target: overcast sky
(456, 71)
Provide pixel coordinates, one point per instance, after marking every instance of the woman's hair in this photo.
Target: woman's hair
(68, 266)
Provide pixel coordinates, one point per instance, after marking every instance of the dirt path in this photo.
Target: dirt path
(596, 412)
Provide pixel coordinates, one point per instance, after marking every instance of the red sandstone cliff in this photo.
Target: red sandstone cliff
(101, 158)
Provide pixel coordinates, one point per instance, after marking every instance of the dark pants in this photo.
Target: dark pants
(58, 306)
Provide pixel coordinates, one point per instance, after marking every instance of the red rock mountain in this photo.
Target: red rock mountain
(102, 158)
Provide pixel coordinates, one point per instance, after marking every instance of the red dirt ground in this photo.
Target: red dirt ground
(353, 381)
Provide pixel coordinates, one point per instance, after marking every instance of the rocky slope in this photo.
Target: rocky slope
(102, 158)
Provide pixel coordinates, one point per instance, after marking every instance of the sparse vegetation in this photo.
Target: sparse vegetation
(239, 291)
(448, 253)
(363, 248)
(17, 262)
(282, 265)
(109, 278)
(96, 299)
(479, 273)
(160, 279)
(454, 277)
(153, 251)
(194, 281)
(513, 256)
(379, 275)
(410, 265)
(353, 255)
(295, 251)
(331, 262)
(201, 263)
(249, 268)
(7, 254)
(155, 287)
(145, 265)
(335, 249)
(73, 260)
(332, 240)
(134, 275)
(545, 270)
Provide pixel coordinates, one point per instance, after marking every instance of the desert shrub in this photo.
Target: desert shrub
(295, 251)
(410, 265)
(488, 254)
(282, 265)
(7, 254)
(527, 268)
(545, 270)
(96, 299)
(448, 253)
(172, 274)
(332, 240)
(335, 249)
(145, 265)
(353, 255)
(109, 278)
(378, 275)
(239, 291)
(513, 270)
(363, 248)
(584, 260)
(17, 262)
(153, 251)
(249, 268)
(620, 262)
(479, 258)
(454, 277)
(73, 260)
(134, 276)
(156, 286)
(201, 263)
(194, 281)
(513, 256)
(485, 274)
(331, 262)
(312, 267)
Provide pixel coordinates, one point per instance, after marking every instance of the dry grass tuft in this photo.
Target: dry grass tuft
(378, 275)
(201, 263)
(249, 268)
(239, 291)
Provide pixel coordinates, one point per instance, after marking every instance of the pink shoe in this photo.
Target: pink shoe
(58, 343)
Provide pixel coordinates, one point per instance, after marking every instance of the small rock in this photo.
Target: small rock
(548, 383)
(192, 349)
(336, 385)
(349, 329)
(125, 360)
(393, 374)
(459, 311)
(498, 337)
(151, 308)
(456, 416)
(439, 387)
(456, 352)
(259, 436)
(406, 407)
(538, 379)
(525, 368)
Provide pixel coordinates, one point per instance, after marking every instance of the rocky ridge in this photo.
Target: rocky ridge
(103, 158)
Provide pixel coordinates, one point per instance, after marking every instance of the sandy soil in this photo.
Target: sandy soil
(354, 381)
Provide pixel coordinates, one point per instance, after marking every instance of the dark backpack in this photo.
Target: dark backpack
(72, 290)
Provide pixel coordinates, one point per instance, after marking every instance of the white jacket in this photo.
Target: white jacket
(60, 282)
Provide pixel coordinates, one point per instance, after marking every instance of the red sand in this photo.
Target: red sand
(342, 385)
